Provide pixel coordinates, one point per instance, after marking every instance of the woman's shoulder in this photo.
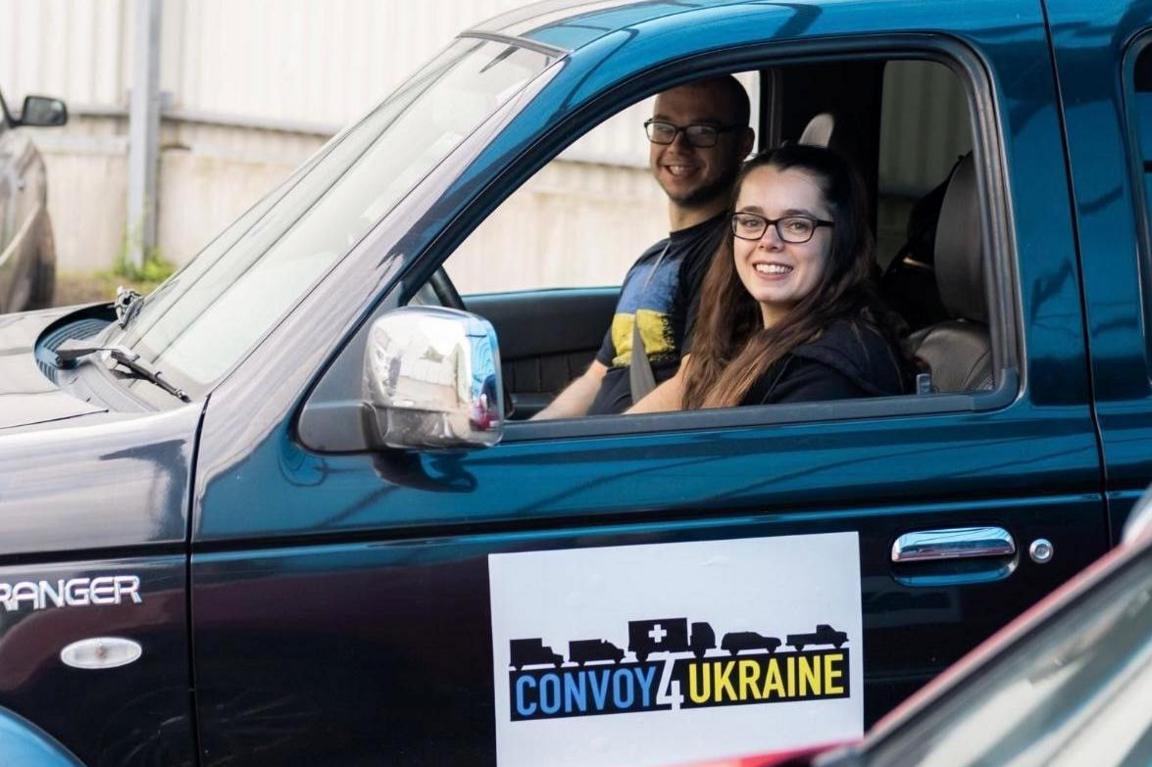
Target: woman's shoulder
(859, 350)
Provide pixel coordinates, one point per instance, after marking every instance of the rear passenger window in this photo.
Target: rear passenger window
(924, 131)
(924, 134)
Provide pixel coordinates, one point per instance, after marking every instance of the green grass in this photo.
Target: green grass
(91, 287)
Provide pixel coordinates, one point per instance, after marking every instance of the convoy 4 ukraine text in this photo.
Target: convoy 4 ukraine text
(596, 679)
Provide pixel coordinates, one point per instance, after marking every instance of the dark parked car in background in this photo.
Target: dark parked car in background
(27, 250)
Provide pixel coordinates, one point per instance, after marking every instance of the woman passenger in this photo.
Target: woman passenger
(789, 310)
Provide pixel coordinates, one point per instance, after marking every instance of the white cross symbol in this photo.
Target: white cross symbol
(657, 633)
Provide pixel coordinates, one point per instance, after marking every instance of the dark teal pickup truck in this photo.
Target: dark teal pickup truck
(287, 508)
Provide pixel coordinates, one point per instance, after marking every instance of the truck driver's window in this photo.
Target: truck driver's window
(545, 266)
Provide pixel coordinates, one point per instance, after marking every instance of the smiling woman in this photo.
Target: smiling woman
(789, 310)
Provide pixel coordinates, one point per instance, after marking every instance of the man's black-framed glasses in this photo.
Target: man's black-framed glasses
(793, 229)
(697, 134)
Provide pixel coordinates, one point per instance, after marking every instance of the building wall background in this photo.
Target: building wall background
(252, 87)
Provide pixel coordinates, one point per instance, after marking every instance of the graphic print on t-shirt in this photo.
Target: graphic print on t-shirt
(647, 300)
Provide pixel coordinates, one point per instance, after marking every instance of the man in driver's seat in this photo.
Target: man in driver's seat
(698, 136)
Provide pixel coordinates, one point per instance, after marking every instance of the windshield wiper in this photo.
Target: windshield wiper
(68, 357)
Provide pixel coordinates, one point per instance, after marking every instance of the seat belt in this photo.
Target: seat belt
(641, 379)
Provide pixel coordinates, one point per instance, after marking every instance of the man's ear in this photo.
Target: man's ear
(747, 141)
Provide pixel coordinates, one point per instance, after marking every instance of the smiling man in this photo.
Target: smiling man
(698, 135)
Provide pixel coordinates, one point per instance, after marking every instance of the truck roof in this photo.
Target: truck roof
(570, 24)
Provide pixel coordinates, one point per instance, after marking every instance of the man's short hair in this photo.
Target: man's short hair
(731, 92)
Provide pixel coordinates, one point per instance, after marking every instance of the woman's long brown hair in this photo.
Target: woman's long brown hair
(731, 348)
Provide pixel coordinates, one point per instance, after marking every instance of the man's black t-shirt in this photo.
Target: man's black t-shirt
(660, 295)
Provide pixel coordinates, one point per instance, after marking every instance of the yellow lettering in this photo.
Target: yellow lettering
(723, 682)
(832, 671)
(704, 687)
(791, 676)
(809, 675)
(749, 675)
(773, 681)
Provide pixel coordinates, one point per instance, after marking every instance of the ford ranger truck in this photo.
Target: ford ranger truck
(289, 508)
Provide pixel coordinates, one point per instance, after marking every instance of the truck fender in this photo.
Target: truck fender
(23, 743)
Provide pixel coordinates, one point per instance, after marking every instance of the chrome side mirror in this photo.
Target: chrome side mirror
(432, 380)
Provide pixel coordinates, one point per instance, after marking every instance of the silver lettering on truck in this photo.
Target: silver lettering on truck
(70, 592)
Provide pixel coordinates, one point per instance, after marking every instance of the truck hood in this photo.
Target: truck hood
(27, 396)
(85, 478)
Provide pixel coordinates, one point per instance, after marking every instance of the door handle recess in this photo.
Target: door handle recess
(953, 543)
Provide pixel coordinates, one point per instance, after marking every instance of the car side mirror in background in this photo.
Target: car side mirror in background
(432, 380)
(43, 112)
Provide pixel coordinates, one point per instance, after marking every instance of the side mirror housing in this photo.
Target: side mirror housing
(432, 380)
(43, 112)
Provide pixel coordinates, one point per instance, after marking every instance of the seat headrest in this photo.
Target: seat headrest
(960, 246)
(818, 131)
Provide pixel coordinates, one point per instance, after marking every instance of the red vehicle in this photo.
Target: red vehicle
(1067, 683)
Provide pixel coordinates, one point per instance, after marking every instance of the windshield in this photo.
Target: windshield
(204, 319)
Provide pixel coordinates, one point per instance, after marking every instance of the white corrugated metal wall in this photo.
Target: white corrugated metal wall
(287, 60)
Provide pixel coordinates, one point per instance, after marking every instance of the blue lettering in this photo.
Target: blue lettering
(522, 707)
(550, 693)
(646, 684)
(618, 689)
(575, 695)
(599, 691)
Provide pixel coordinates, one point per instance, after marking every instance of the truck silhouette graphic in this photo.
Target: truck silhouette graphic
(533, 652)
(737, 641)
(581, 651)
(669, 635)
(823, 635)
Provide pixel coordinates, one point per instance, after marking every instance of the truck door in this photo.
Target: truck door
(419, 607)
(1105, 72)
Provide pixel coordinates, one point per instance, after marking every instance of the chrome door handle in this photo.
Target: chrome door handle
(953, 543)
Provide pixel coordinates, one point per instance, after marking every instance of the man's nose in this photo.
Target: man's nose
(680, 141)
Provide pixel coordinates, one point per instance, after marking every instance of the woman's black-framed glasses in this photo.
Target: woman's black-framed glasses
(697, 135)
(793, 229)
